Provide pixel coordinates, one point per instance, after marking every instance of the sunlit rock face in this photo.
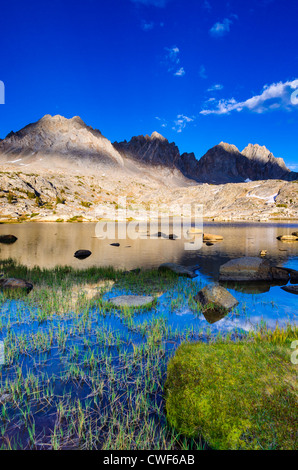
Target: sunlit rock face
(55, 138)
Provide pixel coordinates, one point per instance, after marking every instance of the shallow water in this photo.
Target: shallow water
(51, 244)
(120, 347)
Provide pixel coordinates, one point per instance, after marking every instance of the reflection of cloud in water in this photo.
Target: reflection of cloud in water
(51, 244)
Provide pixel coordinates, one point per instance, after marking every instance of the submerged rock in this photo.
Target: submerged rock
(216, 302)
(178, 269)
(291, 289)
(15, 284)
(8, 239)
(114, 244)
(132, 300)
(82, 254)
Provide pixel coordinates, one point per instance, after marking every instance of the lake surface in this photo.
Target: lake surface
(50, 244)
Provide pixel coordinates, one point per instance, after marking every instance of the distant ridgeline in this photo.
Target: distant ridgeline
(55, 140)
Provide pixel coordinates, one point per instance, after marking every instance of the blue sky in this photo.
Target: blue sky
(197, 71)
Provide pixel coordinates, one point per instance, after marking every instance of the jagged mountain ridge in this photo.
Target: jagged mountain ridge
(56, 140)
(223, 163)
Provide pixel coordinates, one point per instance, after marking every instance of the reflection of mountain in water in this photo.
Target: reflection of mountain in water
(48, 245)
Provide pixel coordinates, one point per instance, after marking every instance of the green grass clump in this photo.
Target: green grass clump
(236, 395)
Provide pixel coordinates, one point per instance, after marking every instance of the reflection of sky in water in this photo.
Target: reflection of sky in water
(50, 245)
(272, 307)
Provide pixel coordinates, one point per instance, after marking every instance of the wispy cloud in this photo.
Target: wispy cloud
(155, 3)
(172, 61)
(216, 87)
(220, 29)
(149, 25)
(178, 124)
(275, 96)
(181, 122)
(162, 121)
(180, 72)
(202, 72)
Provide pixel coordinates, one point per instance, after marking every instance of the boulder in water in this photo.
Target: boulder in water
(12, 284)
(216, 302)
(8, 239)
(248, 268)
(82, 254)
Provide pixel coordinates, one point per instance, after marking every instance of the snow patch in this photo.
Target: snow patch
(269, 199)
(14, 161)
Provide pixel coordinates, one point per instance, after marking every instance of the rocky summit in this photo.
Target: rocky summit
(55, 141)
(61, 169)
(224, 163)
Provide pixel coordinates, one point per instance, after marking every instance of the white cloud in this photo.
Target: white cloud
(202, 72)
(178, 124)
(275, 96)
(181, 122)
(180, 72)
(173, 54)
(173, 60)
(221, 29)
(216, 87)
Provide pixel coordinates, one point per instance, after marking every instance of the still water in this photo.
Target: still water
(51, 244)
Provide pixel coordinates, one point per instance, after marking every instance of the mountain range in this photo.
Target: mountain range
(60, 169)
(57, 142)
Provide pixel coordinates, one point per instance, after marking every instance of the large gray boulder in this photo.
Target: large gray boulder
(246, 269)
(253, 269)
(216, 302)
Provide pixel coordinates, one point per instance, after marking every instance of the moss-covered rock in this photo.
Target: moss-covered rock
(236, 395)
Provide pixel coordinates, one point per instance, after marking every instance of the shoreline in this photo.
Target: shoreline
(206, 221)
